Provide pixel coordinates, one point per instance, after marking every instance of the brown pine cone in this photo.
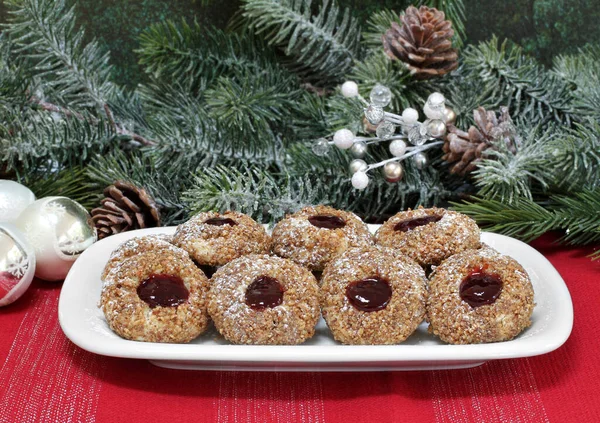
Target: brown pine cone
(465, 149)
(423, 42)
(126, 207)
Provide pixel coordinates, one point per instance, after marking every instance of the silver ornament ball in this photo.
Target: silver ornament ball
(359, 149)
(380, 95)
(321, 147)
(393, 172)
(17, 264)
(59, 230)
(420, 160)
(436, 128)
(449, 116)
(358, 165)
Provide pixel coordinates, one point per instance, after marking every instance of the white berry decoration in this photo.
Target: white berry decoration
(349, 89)
(343, 139)
(360, 180)
(398, 148)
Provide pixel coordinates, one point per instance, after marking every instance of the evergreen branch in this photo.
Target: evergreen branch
(574, 157)
(577, 215)
(322, 47)
(37, 140)
(531, 93)
(377, 25)
(184, 53)
(251, 191)
(74, 73)
(507, 177)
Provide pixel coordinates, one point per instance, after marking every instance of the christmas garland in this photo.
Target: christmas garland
(228, 119)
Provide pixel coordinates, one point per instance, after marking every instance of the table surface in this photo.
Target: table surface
(45, 378)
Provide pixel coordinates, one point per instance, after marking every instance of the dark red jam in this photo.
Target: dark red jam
(369, 294)
(163, 291)
(326, 221)
(480, 288)
(410, 224)
(264, 292)
(220, 221)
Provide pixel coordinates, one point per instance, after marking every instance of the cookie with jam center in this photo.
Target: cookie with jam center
(479, 296)
(137, 245)
(156, 296)
(429, 236)
(214, 239)
(373, 295)
(261, 299)
(315, 235)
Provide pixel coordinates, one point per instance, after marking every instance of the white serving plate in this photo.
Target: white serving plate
(84, 324)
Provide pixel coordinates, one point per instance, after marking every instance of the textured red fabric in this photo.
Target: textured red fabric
(45, 378)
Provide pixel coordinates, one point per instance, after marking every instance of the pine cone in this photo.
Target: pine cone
(126, 207)
(467, 148)
(423, 42)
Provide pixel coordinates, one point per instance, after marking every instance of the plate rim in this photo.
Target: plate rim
(332, 354)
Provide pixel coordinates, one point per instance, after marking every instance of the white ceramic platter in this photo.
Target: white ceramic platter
(84, 324)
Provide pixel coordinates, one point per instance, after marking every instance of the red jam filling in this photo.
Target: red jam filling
(163, 291)
(264, 292)
(480, 288)
(410, 224)
(326, 221)
(369, 294)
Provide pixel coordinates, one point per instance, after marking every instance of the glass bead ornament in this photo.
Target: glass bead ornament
(14, 198)
(398, 148)
(360, 180)
(374, 114)
(17, 264)
(418, 135)
(321, 147)
(343, 139)
(358, 165)
(436, 128)
(393, 172)
(380, 95)
(359, 149)
(385, 130)
(349, 89)
(420, 160)
(59, 230)
(435, 106)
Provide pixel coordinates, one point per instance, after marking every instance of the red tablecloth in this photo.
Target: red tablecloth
(45, 378)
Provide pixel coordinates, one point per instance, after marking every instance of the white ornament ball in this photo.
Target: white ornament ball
(59, 230)
(17, 264)
(14, 198)
(360, 180)
(435, 106)
(349, 89)
(343, 139)
(358, 165)
(410, 116)
(393, 172)
(398, 148)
